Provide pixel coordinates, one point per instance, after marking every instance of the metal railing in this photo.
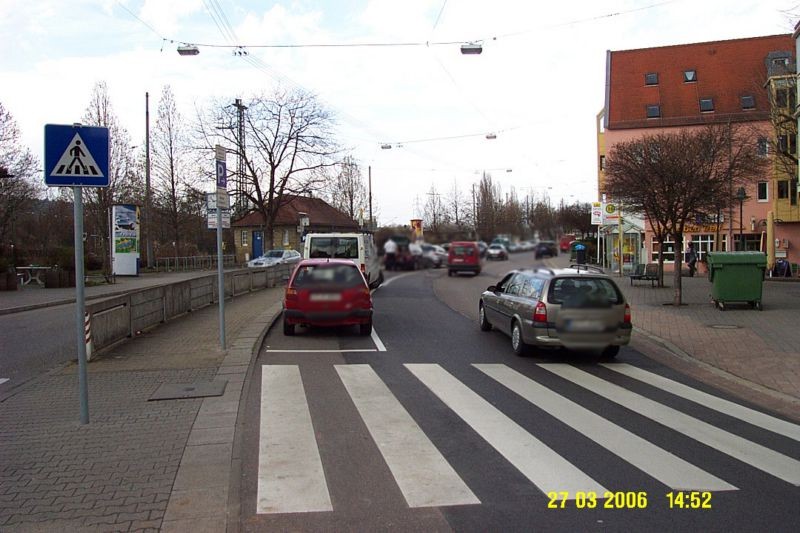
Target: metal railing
(193, 262)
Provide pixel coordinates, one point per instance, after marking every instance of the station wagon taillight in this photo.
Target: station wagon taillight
(627, 318)
(540, 313)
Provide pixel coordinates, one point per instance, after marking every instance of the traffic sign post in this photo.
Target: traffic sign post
(77, 156)
(222, 183)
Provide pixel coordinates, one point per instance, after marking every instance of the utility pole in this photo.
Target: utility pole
(146, 217)
(240, 166)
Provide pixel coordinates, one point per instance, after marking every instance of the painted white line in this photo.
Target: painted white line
(3, 380)
(669, 469)
(377, 340)
(764, 421)
(755, 455)
(290, 475)
(323, 351)
(424, 477)
(534, 459)
(390, 280)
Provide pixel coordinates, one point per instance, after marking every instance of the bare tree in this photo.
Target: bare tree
(434, 211)
(346, 191)
(575, 217)
(123, 184)
(290, 145)
(543, 217)
(487, 207)
(673, 178)
(18, 187)
(456, 207)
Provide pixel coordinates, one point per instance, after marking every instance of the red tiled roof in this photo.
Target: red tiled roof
(726, 71)
(320, 214)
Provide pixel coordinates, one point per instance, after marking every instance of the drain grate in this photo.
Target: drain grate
(182, 391)
(724, 326)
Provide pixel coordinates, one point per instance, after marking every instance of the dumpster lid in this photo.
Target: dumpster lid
(737, 258)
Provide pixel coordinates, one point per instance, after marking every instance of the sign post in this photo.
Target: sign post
(222, 184)
(77, 156)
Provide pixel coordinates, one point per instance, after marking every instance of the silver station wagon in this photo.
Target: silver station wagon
(579, 308)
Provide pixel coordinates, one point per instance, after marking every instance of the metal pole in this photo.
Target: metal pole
(619, 241)
(80, 305)
(146, 224)
(369, 173)
(741, 222)
(221, 277)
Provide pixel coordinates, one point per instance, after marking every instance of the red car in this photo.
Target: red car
(463, 256)
(564, 242)
(327, 292)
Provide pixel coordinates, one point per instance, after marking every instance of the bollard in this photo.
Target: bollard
(87, 330)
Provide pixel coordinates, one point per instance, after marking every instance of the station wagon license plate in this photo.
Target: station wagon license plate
(584, 325)
(325, 297)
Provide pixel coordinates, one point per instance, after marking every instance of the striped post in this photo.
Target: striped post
(87, 332)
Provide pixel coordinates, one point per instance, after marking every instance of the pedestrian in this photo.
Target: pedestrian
(390, 249)
(691, 259)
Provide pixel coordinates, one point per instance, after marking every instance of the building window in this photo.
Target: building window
(787, 143)
(689, 76)
(286, 237)
(653, 111)
(783, 189)
(785, 97)
(703, 244)
(706, 105)
(793, 192)
(752, 242)
(763, 191)
(780, 61)
(651, 78)
(244, 237)
(748, 102)
(763, 147)
(669, 250)
(602, 162)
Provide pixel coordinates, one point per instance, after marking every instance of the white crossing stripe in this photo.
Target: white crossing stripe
(3, 380)
(749, 452)
(425, 478)
(290, 475)
(377, 340)
(670, 470)
(534, 459)
(751, 416)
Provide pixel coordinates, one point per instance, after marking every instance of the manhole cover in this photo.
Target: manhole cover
(724, 326)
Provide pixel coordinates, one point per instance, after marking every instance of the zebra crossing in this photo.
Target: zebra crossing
(291, 476)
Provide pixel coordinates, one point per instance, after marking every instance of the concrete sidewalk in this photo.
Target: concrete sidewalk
(35, 297)
(139, 465)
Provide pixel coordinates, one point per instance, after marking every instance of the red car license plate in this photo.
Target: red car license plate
(325, 297)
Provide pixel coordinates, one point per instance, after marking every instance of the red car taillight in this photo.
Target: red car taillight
(627, 318)
(363, 268)
(540, 313)
(291, 294)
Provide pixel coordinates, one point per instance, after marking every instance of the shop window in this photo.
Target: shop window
(669, 250)
(703, 244)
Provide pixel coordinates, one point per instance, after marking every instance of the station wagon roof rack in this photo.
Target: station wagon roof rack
(587, 267)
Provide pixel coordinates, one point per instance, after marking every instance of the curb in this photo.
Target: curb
(200, 495)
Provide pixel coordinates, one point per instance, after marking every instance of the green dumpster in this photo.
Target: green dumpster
(736, 277)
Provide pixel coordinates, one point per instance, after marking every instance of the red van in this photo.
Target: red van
(463, 256)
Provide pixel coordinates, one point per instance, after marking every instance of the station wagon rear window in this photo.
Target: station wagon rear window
(585, 289)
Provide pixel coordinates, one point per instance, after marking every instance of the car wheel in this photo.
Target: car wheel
(517, 344)
(610, 352)
(288, 329)
(365, 329)
(482, 320)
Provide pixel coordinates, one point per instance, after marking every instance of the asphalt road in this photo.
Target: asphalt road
(448, 430)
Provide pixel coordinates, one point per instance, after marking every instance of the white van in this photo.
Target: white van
(358, 247)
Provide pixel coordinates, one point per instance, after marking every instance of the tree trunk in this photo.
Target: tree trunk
(676, 298)
(661, 263)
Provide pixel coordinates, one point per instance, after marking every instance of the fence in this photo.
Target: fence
(193, 262)
(117, 318)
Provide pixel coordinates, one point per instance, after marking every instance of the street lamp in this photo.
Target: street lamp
(188, 50)
(741, 194)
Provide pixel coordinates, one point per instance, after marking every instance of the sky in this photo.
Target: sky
(537, 86)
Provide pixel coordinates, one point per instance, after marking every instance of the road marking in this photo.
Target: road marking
(424, 477)
(751, 416)
(390, 280)
(3, 380)
(377, 340)
(755, 455)
(669, 469)
(535, 460)
(322, 351)
(290, 475)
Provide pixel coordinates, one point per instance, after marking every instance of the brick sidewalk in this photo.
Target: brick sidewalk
(118, 472)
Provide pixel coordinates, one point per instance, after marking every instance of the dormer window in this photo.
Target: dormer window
(748, 102)
(706, 105)
(651, 78)
(689, 76)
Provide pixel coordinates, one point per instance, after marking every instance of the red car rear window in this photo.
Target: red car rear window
(462, 250)
(328, 276)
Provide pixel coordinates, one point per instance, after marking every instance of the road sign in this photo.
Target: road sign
(219, 153)
(212, 218)
(75, 156)
(610, 213)
(216, 198)
(597, 213)
(222, 175)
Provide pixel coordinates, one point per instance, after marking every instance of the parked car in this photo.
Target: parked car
(433, 255)
(526, 246)
(545, 249)
(497, 251)
(358, 247)
(275, 257)
(575, 308)
(564, 242)
(464, 256)
(514, 247)
(482, 247)
(327, 292)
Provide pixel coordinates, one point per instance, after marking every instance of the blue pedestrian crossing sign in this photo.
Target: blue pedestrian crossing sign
(75, 156)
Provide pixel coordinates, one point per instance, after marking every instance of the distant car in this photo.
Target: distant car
(574, 308)
(545, 249)
(514, 247)
(327, 292)
(564, 242)
(464, 256)
(275, 257)
(482, 247)
(497, 251)
(526, 246)
(433, 255)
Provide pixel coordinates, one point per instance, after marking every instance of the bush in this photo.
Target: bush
(62, 257)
